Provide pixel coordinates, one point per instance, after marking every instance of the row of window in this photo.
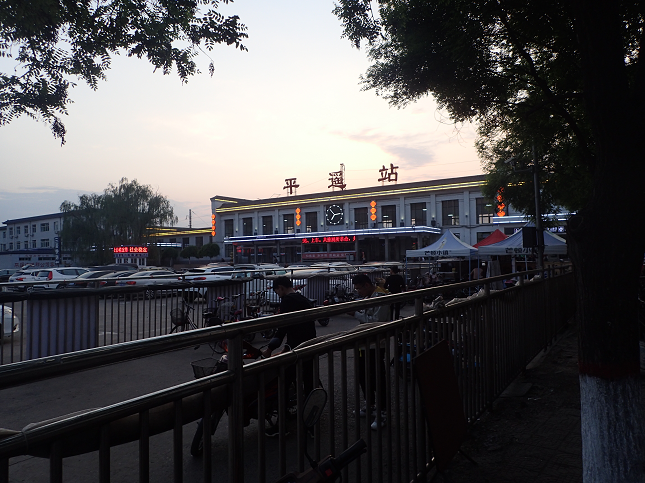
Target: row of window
(44, 243)
(450, 216)
(43, 227)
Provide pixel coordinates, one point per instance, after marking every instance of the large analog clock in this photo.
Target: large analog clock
(334, 215)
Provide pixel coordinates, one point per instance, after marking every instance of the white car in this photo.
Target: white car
(23, 275)
(148, 278)
(57, 275)
(9, 323)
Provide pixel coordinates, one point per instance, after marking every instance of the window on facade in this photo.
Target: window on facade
(267, 225)
(4, 234)
(11, 231)
(185, 242)
(33, 243)
(228, 228)
(482, 234)
(17, 230)
(450, 212)
(485, 210)
(55, 226)
(17, 245)
(247, 226)
(388, 216)
(44, 227)
(173, 240)
(33, 228)
(10, 246)
(287, 223)
(418, 214)
(26, 230)
(3, 247)
(44, 243)
(311, 221)
(199, 241)
(360, 218)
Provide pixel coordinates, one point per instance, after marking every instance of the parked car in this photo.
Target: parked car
(148, 278)
(5, 273)
(57, 276)
(23, 275)
(110, 279)
(9, 323)
(88, 278)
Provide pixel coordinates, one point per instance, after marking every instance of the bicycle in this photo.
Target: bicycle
(181, 318)
(224, 312)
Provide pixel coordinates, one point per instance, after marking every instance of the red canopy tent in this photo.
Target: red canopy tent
(494, 237)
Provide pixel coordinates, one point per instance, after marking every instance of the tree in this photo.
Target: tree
(122, 215)
(55, 42)
(170, 254)
(189, 252)
(209, 250)
(564, 78)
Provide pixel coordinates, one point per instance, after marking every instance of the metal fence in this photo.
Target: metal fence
(492, 335)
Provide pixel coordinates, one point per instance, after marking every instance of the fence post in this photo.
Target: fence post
(488, 344)
(235, 413)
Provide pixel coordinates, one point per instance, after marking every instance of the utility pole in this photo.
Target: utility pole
(190, 218)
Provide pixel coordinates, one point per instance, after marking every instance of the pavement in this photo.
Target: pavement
(532, 433)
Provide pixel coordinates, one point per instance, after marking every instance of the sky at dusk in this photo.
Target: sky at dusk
(290, 107)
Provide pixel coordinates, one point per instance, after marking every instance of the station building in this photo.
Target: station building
(372, 224)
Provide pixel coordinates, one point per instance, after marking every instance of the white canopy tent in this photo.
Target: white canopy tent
(553, 245)
(446, 246)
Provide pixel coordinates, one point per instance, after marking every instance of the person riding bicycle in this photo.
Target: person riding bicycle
(292, 301)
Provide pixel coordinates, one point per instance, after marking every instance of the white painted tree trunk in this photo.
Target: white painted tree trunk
(612, 436)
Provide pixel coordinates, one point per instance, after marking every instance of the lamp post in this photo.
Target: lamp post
(538, 215)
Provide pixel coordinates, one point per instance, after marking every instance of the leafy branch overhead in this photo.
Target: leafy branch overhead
(56, 42)
(515, 68)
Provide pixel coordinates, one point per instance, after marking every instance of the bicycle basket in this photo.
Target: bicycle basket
(204, 367)
(178, 317)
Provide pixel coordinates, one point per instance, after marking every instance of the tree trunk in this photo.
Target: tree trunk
(606, 244)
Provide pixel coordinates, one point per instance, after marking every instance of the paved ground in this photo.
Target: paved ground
(532, 433)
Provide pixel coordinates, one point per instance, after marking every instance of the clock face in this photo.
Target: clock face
(334, 215)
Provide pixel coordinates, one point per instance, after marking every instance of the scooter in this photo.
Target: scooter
(327, 470)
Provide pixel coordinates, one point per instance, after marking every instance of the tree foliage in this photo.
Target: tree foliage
(190, 251)
(209, 250)
(513, 67)
(55, 42)
(122, 215)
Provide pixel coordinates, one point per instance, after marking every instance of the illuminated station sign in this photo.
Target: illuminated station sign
(130, 252)
(329, 239)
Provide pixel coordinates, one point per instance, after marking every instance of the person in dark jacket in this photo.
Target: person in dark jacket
(395, 283)
(292, 301)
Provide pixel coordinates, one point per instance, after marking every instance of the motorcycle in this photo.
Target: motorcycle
(327, 470)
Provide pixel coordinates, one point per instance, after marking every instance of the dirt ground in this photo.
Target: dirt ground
(532, 433)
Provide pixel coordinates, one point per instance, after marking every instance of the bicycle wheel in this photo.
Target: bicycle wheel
(197, 446)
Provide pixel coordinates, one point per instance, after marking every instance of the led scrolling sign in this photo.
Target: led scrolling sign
(329, 239)
(130, 249)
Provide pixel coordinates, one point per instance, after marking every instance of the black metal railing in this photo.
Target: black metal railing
(493, 335)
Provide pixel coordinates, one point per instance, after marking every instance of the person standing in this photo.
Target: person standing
(373, 356)
(395, 283)
(292, 301)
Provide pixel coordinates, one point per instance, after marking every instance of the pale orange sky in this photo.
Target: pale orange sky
(290, 107)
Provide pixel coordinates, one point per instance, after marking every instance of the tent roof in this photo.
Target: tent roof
(494, 237)
(446, 246)
(553, 245)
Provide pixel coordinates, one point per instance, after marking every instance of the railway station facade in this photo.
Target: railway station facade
(368, 224)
